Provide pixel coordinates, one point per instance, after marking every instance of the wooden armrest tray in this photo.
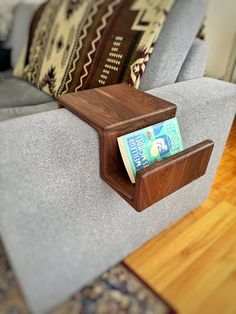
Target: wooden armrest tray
(117, 110)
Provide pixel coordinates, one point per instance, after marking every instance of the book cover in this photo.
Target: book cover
(143, 147)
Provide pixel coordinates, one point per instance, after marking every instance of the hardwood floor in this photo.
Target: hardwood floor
(193, 263)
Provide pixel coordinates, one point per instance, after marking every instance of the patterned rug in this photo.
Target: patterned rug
(117, 291)
(81, 44)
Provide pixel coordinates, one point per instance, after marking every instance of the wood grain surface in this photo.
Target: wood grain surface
(167, 176)
(193, 263)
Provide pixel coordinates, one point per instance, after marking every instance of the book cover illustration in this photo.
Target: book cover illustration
(143, 147)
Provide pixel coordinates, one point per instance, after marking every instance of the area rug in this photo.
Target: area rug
(116, 291)
(77, 45)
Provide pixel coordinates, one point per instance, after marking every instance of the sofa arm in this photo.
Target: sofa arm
(60, 223)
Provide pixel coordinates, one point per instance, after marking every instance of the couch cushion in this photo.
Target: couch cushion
(16, 112)
(195, 63)
(15, 93)
(174, 43)
(60, 223)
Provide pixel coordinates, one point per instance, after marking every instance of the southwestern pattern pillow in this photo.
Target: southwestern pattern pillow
(80, 44)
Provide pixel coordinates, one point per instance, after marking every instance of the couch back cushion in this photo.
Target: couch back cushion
(23, 15)
(76, 45)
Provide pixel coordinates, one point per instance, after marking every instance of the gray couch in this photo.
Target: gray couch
(60, 223)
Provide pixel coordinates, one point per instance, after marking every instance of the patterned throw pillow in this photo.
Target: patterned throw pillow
(80, 44)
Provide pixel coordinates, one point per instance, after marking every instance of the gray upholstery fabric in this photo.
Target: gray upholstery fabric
(5, 75)
(60, 223)
(16, 112)
(19, 34)
(15, 93)
(195, 63)
(174, 43)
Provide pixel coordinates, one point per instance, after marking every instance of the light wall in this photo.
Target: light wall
(220, 33)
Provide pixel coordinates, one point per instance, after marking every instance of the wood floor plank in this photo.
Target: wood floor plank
(219, 300)
(172, 259)
(205, 276)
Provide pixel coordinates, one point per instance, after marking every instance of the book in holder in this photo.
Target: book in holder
(142, 148)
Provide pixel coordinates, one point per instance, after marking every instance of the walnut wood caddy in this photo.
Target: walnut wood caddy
(117, 110)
